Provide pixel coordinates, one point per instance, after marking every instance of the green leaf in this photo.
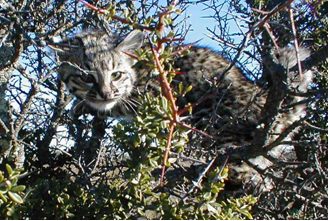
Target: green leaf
(207, 196)
(171, 34)
(152, 135)
(17, 189)
(164, 103)
(180, 87)
(215, 189)
(171, 8)
(136, 180)
(148, 21)
(188, 89)
(10, 211)
(14, 180)
(190, 109)
(15, 197)
(60, 200)
(153, 162)
(139, 119)
(212, 209)
(178, 11)
(7, 186)
(179, 149)
(4, 199)
(9, 169)
(246, 213)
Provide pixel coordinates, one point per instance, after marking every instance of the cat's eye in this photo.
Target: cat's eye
(88, 78)
(116, 75)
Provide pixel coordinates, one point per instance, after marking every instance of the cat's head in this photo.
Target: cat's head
(97, 69)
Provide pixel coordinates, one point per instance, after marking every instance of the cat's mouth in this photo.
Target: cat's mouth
(103, 100)
(99, 99)
(101, 104)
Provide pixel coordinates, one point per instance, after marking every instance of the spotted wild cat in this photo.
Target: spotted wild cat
(97, 71)
(96, 68)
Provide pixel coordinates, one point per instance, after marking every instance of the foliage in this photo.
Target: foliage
(11, 194)
(153, 166)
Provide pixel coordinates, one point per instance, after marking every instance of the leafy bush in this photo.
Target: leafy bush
(152, 166)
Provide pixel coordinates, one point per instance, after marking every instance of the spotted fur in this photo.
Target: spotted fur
(97, 70)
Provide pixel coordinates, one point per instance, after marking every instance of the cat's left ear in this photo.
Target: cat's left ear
(133, 41)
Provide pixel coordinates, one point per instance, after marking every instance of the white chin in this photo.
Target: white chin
(102, 106)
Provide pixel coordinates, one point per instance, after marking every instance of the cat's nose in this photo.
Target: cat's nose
(108, 92)
(106, 95)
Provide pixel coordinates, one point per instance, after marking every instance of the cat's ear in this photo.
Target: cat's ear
(59, 49)
(68, 49)
(133, 41)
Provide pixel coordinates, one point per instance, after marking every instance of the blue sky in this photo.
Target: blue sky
(198, 21)
(199, 24)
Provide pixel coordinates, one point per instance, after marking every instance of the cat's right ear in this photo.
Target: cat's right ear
(133, 41)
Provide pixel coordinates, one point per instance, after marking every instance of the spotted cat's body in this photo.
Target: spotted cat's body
(90, 59)
(98, 70)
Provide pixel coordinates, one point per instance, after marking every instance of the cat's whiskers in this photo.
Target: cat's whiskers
(132, 100)
(129, 105)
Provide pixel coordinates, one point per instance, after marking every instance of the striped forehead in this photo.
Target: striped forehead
(107, 61)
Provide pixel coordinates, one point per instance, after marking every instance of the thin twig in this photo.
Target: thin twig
(197, 183)
(270, 33)
(291, 13)
(315, 127)
(248, 35)
(114, 17)
(100, 152)
(195, 130)
(167, 150)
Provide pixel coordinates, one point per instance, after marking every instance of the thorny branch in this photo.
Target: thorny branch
(163, 78)
(167, 92)
(19, 131)
(166, 89)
